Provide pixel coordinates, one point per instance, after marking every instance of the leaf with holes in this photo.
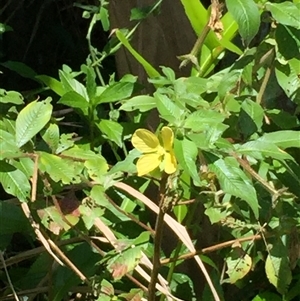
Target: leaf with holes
(239, 264)
(278, 267)
(58, 168)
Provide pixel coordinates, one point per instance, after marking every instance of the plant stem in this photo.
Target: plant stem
(195, 52)
(158, 238)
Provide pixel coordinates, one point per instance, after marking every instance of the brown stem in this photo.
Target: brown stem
(159, 224)
(213, 248)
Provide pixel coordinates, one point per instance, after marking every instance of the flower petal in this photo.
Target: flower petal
(170, 162)
(145, 141)
(147, 163)
(167, 136)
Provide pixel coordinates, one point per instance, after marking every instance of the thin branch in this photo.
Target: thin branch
(8, 277)
(159, 225)
(213, 248)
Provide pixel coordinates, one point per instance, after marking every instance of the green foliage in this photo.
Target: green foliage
(236, 142)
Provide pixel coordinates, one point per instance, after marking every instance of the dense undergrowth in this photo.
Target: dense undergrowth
(105, 208)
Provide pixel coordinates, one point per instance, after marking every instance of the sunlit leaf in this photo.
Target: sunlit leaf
(11, 97)
(51, 136)
(57, 168)
(74, 100)
(261, 149)
(186, 153)
(112, 130)
(143, 103)
(52, 83)
(235, 182)
(239, 264)
(69, 83)
(246, 14)
(277, 267)
(286, 13)
(150, 70)
(31, 120)
(283, 139)
(14, 181)
(288, 79)
(115, 92)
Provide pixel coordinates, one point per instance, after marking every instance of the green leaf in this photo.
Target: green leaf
(251, 117)
(150, 70)
(115, 92)
(288, 41)
(97, 169)
(140, 13)
(207, 138)
(32, 119)
(229, 82)
(112, 130)
(14, 181)
(215, 215)
(288, 79)
(235, 182)
(283, 119)
(98, 195)
(286, 13)
(168, 109)
(4, 28)
(239, 264)
(65, 142)
(52, 83)
(63, 279)
(283, 139)
(74, 100)
(104, 17)
(51, 136)
(11, 97)
(246, 14)
(9, 148)
(186, 153)
(127, 164)
(267, 296)
(79, 153)
(180, 212)
(58, 169)
(260, 149)
(20, 68)
(202, 119)
(71, 84)
(91, 86)
(143, 103)
(277, 267)
(196, 13)
(12, 221)
(25, 165)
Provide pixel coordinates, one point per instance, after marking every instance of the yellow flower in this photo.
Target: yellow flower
(153, 152)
